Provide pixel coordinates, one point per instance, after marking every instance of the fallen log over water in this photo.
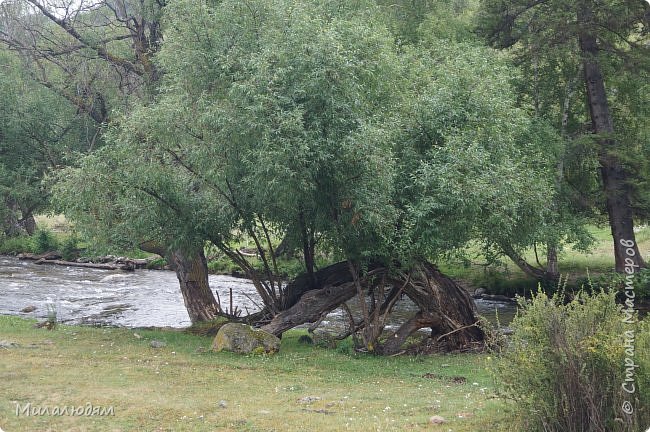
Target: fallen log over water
(126, 266)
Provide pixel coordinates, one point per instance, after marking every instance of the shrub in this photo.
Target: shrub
(617, 280)
(565, 365)
(69, 249)
(16, 245)
(45, 241)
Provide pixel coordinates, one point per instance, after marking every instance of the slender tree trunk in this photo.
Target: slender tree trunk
(614, 176)
(520, 262)
(552, 268)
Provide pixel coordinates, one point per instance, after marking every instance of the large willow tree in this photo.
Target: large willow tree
(304, 120)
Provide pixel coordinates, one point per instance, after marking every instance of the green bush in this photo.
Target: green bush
(565, 365)
(69, 248)
(45, 241)
(641, 282)
(16, 245)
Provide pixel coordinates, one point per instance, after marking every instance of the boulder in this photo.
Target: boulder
(243, 339)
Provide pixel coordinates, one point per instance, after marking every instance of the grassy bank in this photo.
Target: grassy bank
(179, 387)
(506, 278)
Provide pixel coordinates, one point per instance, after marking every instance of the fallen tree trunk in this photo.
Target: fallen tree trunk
(125, 267)
(312, 305)
(444, 306)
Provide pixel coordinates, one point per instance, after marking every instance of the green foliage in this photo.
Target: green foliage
(306, 120)
(16, 245)
(565, 365)
(69, 247)
(45, 241)
(36, 135)
(641, 282)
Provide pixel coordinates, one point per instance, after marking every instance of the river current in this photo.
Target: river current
(143, 298)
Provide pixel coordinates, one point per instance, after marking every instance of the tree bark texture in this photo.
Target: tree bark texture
(192, 273)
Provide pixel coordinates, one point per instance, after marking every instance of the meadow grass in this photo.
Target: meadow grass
(575, 265)
(180, 387)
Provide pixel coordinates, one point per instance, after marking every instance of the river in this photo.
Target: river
(143, 298)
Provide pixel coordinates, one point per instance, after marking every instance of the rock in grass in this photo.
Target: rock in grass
(157, 344)
(308, 399)
(28, 309)
(243, 339)
(437, 420)
(8, 344)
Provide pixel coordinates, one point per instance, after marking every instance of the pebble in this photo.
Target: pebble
(308, 399)
(157, 344)
(223, 404)
(436, 420)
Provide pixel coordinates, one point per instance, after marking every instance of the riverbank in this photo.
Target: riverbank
(183, 386)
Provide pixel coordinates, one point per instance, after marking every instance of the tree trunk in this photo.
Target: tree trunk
(614, 176)
(192, 273)
(10, 222)
(312, 305)
(421, 320)
(447, 305)
(520, 262)
(444, 306)
(29, 223)
(552, 267)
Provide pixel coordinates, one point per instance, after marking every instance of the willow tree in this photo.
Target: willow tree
(609, 38)
(304, 120)
(97, 57)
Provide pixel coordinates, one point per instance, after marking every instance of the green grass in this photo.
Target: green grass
(179, 387)
(508, 279)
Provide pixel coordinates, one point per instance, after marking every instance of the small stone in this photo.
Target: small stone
(157, 344)
(28, 309)
(308, 399)
(137, 336)
(7, 344)
(223, 404)
(436, 420)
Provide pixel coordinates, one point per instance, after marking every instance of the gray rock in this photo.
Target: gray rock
(437, 420)
(223, 404)
(8, 344)
(157, 344)
(243, 339)
(28, 309)
(308, 399)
